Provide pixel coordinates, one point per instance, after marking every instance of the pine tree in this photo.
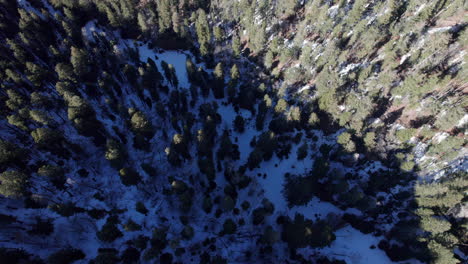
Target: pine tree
(10, 153)
(302, 151)
(236, 46)
(164, 15)
(344, 139)
(281, 106)
(239, 124)
(203, 32)
(218, 73)
(46, 137)
(218, 33)
(80, 61)
(235, 75)
(141, 124)
(13, 184)
(268, 59)
(64, 71)
(55, 174)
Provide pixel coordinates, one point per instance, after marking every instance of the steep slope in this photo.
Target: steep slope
(233, 131)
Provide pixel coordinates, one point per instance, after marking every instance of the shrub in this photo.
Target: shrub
(109, 231)
(140, 207)
(229, 227)
(302, 151)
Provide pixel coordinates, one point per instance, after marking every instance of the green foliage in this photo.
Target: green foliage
(141, 124)
(164, 15)
(236, 46)
(45, 137)
(299, 190)
(450, 118)
(301, 232)
(10, 153)
(218, 88)
(40, 117)
(218, 33)
(369, 140)
(404, 135)
(80, 61)
(13, 184)
(344, 139)
(281, 106)
(435, 201)
(268, 59)
(55, 174)
(448, 148)
(114, 153)
(286, 8)
(434, 225)
(203, 32)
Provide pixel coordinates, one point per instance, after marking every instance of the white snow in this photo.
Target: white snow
(439, 137)
(440, 29)
(176, 58)
(354, 247)
(463, 121)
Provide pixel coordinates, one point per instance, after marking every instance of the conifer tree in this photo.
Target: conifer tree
(80, 61)
(236, 46)
(218, 88)
(203, 32)
(164, 15)
(13, 184)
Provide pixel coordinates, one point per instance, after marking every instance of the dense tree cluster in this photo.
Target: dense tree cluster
(102, 136)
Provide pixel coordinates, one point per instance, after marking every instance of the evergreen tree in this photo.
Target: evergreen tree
(55, 174)
(218, 33)
(218, 73)
(80, 61)
(239, 124)
(236, 46)
(13, 184)
(203, 31)
(164, 15)
(10, 154)
(109, 231)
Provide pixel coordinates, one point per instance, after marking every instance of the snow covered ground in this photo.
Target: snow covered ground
(79, 231)
(351, 245)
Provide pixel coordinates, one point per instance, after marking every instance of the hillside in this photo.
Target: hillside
(250, 131)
